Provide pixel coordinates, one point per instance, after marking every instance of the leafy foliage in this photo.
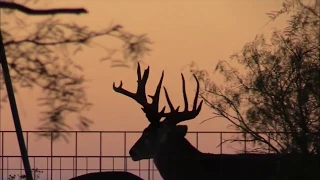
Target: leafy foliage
(279, 92)
(41, 56)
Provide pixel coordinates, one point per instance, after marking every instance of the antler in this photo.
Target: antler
(150, 109)
(174, 116)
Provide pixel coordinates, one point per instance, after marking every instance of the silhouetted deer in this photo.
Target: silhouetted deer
(176, 159)
(109, 175)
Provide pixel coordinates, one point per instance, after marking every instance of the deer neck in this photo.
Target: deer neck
(176, 159)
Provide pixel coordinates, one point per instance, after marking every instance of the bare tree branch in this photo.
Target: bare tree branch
(26, 10)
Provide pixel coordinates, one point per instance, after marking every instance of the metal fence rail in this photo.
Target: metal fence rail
(52, 166)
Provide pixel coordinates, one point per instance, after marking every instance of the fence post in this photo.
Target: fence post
(100, 161)
(76, 159)
(148, 169)
(245, 142)
(125, 151)
(197, 140)
(269, 142)
(221, 142)
(51, 154)
(2, 154)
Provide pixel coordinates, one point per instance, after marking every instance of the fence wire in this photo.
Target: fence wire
(96, 151)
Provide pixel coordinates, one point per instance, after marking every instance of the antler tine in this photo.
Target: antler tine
(185, 98)
(139, 71)
(144, 78)
(172, 109)
(174, 116)
(195, 102)
(150, 109)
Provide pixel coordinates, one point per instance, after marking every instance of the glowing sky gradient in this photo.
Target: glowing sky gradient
(182, 31)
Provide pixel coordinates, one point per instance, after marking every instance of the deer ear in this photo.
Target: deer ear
(181, 130)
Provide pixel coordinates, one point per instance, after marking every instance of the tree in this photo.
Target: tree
(39, 68)
(42, 58)
(279, 90)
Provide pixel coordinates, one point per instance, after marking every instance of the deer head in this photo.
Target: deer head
(159, 133)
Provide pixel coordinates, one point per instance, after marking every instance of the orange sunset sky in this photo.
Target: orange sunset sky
(182, 31)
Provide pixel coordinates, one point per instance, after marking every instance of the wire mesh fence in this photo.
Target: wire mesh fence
(94, 151)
